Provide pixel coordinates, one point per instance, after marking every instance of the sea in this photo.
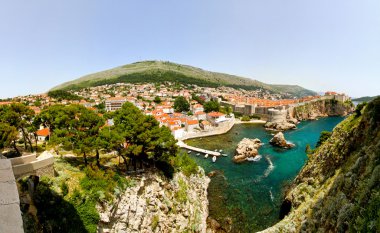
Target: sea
(247, 197)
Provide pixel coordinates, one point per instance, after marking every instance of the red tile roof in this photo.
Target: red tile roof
(43, 132)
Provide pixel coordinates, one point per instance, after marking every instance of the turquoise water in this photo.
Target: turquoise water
(250, 194)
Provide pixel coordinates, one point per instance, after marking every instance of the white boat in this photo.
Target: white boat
(214, 159)
(216, 150)
(206, 156)
(189, 152)
(220, 150)
(198, 154)
(225, 155)
(255, 159)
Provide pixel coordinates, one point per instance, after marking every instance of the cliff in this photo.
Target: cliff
(320, 108)
(338, 190)
(156, 204)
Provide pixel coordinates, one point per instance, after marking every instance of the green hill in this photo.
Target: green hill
(365, 98)
(160, 71)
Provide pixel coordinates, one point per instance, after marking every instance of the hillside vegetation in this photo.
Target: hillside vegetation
(338, 190)
(159, 71)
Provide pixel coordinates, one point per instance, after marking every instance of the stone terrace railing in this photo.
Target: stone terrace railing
(10, 213)
(32, 165)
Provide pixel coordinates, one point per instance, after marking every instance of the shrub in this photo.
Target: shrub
(245, 118)
(359, 107)
(324, 136)
(181, 194)
(155, 221)
(183, 162)
(64, 188)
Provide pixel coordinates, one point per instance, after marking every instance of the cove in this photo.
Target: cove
(249, 195)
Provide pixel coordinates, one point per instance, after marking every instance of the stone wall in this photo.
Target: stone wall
(42, 165)
(10, 214)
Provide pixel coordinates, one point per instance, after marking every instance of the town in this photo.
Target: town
(204, 111)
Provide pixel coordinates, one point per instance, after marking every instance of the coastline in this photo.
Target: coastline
(250, 122)
(222, 129)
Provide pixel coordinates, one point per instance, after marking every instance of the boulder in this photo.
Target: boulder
(247, 148)
(279, 126)
(279, 141)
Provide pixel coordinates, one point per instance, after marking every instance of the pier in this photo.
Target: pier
(185, 146)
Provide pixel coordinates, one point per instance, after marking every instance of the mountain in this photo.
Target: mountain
(160, 71)
(338, 189)
(364, 98)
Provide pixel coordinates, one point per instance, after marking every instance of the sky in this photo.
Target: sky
(321, 45)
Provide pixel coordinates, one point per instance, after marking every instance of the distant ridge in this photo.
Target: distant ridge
(161, 71)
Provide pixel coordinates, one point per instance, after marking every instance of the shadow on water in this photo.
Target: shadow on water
(247, 197)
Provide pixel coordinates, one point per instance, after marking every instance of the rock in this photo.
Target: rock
(279, 141)
(292, 120)
(211, 174)
(247, 148)
(214, 225)
(279, 126)
(154, 199)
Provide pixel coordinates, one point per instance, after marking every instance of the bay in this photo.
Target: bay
(249, 195)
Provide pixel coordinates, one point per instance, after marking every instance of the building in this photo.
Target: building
(216, 117)
(115, 103)
(43, 134)
(190, 125)
(200, 116)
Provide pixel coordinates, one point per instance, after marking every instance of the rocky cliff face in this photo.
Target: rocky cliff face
(321, 108)
(338, 190)
(156, 204)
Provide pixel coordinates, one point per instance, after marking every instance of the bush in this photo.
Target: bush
(245, 118)
(64, 188)
(183, 162)
(324, 136)
(155, 221)
(181, 194)
(359, 107)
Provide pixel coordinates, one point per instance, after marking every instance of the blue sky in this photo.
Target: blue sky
(321, 45)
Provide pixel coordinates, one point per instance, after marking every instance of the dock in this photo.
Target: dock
(192, 148)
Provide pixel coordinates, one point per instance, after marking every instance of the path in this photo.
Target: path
(185, 146)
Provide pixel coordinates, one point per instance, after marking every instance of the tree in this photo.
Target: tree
(181, 104)
(157, 100)
(211, 106)
(21, 117)
(197, 98)
(323, 137)
(359, 107)
(144, 141)
(8, 136)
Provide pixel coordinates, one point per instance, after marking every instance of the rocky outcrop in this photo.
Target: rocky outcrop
(156, 204)
(320, 108)
(247, 148)
(279, 126)
(338, 190)
(279, 141)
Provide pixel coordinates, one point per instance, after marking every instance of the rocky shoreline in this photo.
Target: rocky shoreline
(156, 204)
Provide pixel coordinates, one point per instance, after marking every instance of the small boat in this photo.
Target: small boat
(225, 155)
(206, 156)
(214, 159)
(216, 150)
(198, 154)
(255, 159)
(189, 152)
(220, 150)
